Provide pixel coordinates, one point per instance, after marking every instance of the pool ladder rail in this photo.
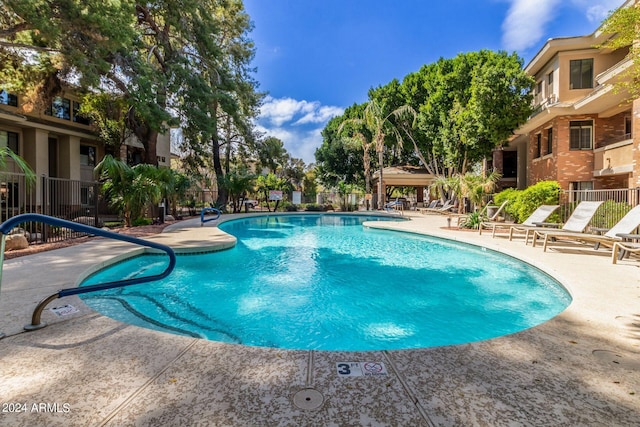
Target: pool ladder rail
(36, 323)
(205, 210)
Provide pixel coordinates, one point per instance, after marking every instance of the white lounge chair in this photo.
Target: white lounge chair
(539, 215)
(621, 248)
(491, 219)
(575, 225)
(447, 207)
(627, 225)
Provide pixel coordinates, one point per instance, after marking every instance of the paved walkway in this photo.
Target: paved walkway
(581, 368)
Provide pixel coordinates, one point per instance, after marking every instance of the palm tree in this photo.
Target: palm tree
(238, 183)
(365, 144)
(476, 186)
(130, 189)
(380, 126)
(6, 153)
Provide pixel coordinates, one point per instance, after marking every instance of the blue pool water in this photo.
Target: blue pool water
(325, 282)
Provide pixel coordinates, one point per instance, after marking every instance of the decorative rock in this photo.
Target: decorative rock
(35, 237)
(15, 241)
(169, 218)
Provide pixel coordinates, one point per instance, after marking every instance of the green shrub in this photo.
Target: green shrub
(522, 203)
(510, 194)
(473, 220)
(314, 208)
(141, 221)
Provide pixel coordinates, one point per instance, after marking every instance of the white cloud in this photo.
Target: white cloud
(598, 12)
(298, 124)
(281, 110)
(525, 22)
(300, 143)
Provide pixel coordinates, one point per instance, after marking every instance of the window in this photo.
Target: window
(76, 115)
(627, 127)
(60, 108)
(7, 98)
(550, 79)
(538, 146)
(581, 74)
(579, 191)
(87, 155)
(9, 139)
(581, 135)
(549, 140)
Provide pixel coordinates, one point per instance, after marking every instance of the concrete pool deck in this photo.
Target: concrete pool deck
(581, 368)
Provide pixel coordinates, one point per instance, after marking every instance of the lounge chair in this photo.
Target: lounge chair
(621, 248)
(492, 219)
(447, 207)
(538, 216)
(627, 225)
(395, 207)
(575, 225)
(533, 222)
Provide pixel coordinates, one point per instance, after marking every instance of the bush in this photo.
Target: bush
(140, 221)
(314, 208)
(291, 208)
(473, 220)
(522, 203)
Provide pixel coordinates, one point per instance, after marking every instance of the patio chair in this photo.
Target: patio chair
(493, 218)
(621, 230)
(539, 216)
(447, 207)
(620, 249)
(575, 225)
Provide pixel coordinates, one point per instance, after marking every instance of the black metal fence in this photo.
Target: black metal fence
(73, 200)
(616, 203)
(83, 202)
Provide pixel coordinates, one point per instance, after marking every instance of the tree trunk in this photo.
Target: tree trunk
(227, 157)
(381, 196)
(151, 148)
(223, 195)
(367, 174)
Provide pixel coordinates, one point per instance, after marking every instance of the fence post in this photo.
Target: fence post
(95, 203)
(45, 209)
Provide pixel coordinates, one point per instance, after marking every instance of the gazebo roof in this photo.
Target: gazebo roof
(405, 176)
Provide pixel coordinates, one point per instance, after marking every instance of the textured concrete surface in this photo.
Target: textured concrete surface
(581, 368)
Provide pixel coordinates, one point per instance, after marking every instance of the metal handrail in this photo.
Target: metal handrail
(36, 323)
(204, 210)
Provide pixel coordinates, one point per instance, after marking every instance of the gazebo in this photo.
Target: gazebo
(403, 176)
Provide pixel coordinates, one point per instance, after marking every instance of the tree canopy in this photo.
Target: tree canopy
(463, 107)
(625, 24)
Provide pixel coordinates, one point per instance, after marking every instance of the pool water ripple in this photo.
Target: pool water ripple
(323, 282)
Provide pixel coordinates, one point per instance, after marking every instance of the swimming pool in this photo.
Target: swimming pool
(325, 282)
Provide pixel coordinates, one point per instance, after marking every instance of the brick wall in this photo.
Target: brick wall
(609, 130)
(545, 167)
(573, 165)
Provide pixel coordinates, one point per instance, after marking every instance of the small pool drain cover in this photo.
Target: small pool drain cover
(308, 398)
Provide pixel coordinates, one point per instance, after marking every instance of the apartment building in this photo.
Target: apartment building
(59, 144)
(585, 131)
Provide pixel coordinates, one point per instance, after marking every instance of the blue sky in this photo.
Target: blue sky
(315, 58)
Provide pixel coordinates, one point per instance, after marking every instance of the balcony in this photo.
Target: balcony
(541, 103)
(613, 159)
